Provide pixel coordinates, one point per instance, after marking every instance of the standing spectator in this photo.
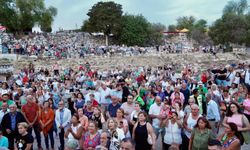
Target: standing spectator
(134, 117)
(154, 113)
(116, 134)
(9, 124)
(246, 105)
(4, 89)
(127, 144)
(104, 141)
(143, 133)
(128, 107)
(24, 140)
(189, 122)
(234, 115)
(112, 108)
(200, 135)
(98, 118)
(31, 114)
(62, 118)
(186, 92)
(173, 127)
(137, 98)
(91, 138)
(83, 119)
(3, 111)
(187, 109)
(47, 117)
(88, 109)
(79, 102)
(74, 132)
(17, 97)
(122, 122)
(6, 98)
(213, 114)
(105, 96)
(200, 101)
(4, 143)
(231, 139)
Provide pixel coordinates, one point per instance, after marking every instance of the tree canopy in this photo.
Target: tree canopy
(104, 17)
(23, 15)
(233, 26)
(108, 18)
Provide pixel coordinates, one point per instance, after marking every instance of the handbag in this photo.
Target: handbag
(150, 140)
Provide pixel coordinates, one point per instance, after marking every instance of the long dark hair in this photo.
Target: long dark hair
(205, 121)
(229, 112)
(238, 134)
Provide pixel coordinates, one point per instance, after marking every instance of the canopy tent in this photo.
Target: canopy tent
(184, 30)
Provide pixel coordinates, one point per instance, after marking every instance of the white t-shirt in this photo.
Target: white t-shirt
(155, 110)
(103, 94)
(173, 134)
(116, 138)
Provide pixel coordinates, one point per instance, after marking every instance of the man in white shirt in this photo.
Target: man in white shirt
(105, 96)
(62, 119)
(4, 110)
(213, 114)
(154, 114)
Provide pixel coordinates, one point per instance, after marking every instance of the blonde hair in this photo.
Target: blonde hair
(23, 124)
(112, 119)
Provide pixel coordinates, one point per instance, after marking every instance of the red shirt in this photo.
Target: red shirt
(95, 103)
(30, 110)
(203, 78)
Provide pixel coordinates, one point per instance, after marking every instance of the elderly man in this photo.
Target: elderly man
(213, 113)
(62, 119)
(9, 124)
(30, 111)
(4, 110)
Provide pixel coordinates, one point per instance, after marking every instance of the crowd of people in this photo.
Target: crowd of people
(65, 44)
(133, 108)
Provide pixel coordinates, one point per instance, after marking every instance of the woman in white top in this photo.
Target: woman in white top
(116, 134)
(5, 89)
(122, 122)
(75, 131)
(189, 123)
(173, 131)
(134, 114)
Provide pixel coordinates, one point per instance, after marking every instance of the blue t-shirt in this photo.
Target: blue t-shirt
(4, 143)
(112, 109)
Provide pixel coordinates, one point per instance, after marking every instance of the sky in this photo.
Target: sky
(71, 13)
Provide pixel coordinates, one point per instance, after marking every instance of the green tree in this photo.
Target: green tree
(186, 22)
(104, 17)
(233, 26)
(23, 15)
(172, 28)
(135, 30)
(238, 8)
(8, 15)
(155, 36)
(47, 19)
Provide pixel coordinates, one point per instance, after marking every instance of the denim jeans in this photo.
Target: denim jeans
(51, 137)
